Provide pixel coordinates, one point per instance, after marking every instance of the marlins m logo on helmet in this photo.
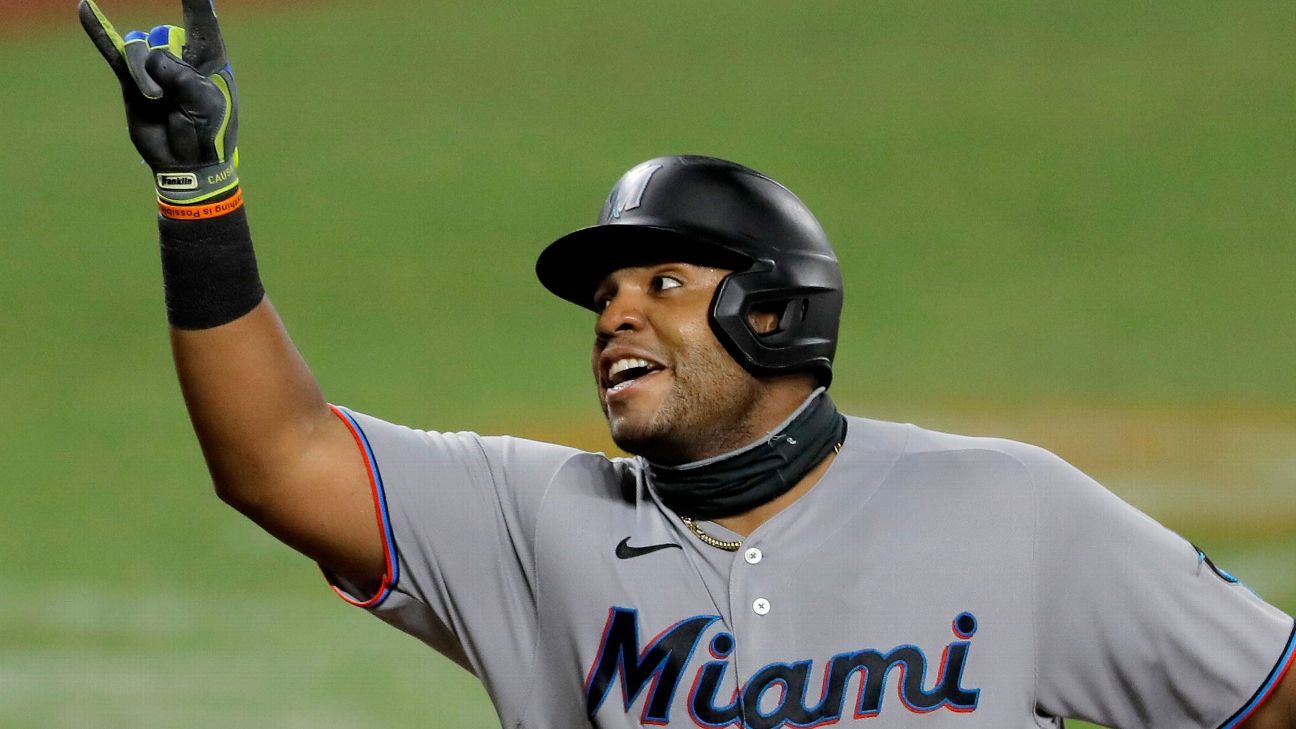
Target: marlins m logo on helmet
(628, 194)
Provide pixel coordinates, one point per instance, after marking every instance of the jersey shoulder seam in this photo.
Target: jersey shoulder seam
(535, 553)
(1007, 453)
(1009, 449)
(1035, 588)
(1034, 495)
(534, 567)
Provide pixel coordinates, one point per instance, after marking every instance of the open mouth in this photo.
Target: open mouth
(625, 372)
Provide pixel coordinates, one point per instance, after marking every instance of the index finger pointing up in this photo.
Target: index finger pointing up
(204, 49)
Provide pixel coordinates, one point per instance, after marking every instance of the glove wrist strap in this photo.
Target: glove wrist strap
(191, 187)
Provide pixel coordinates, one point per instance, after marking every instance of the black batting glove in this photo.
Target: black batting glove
(182, 111)
(181, 102)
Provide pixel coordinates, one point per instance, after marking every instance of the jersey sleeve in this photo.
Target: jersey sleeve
(458, 513)
(1135, 626)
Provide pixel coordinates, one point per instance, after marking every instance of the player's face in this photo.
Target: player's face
(669, 389)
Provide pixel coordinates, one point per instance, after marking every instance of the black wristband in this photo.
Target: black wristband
(209, 270)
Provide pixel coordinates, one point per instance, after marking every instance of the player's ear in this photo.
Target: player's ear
(764, 317)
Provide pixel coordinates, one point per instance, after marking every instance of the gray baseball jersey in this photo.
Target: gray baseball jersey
(927, 580)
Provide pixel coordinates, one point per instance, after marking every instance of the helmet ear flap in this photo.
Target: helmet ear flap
(804, 332)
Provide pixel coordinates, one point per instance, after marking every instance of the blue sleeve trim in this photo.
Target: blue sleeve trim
(391, 574)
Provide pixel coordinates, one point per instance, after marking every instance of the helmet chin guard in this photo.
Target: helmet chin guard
(709, 211)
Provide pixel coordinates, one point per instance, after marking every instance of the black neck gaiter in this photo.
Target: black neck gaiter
(739, 481)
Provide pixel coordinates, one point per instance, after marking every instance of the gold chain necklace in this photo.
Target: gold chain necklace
(728, 545)
(710, 541)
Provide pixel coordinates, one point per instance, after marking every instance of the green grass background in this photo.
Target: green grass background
(1070, 223)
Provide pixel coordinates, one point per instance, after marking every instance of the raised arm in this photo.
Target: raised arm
(275, 450)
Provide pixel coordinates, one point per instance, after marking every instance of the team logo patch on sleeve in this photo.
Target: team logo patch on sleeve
(1203, 559)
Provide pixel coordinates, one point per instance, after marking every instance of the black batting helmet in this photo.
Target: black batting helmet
(712, 212)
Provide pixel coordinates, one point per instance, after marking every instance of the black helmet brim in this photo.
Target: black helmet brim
(573, 266)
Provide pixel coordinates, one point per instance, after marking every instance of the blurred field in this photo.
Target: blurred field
(1073, 224)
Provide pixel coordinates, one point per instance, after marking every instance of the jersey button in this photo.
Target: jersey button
(753, 555)
(761, 606)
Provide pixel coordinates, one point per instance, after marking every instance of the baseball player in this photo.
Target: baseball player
(763, 561)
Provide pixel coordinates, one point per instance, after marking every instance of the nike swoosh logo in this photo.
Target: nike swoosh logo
(625, 551)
